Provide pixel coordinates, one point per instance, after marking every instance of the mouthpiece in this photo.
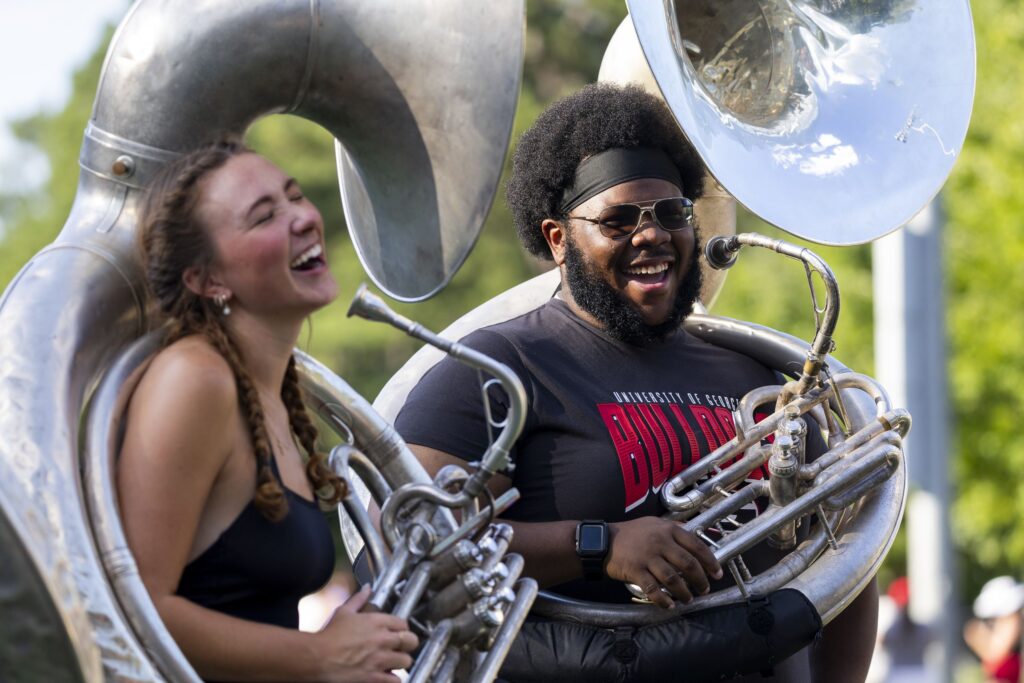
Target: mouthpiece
(366, 304)
(721, 251)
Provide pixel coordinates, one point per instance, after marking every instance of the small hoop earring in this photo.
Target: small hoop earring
(221, 300)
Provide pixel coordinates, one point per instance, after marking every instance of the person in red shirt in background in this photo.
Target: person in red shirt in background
(994, 635)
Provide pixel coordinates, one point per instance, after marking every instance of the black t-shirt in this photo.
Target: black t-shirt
(607, 424)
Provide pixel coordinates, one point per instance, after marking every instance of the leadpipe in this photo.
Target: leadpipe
(721, 253)
(496, 459)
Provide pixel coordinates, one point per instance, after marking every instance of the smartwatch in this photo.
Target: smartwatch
(592, 547)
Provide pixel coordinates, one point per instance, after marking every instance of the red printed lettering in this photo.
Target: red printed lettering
(632, 458)
(691, 438)
(676, 464)
(713, 433)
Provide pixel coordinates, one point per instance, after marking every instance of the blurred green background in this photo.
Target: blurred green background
(983, 253)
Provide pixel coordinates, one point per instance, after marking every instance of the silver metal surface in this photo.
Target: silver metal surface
(421, 104)
(435, 80)
(54, 342)
(835, 121)
(418, 181)
(36, 640)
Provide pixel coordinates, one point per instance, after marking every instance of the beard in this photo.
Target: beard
(619, 317)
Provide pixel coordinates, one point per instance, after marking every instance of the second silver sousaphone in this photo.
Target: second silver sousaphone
(836, 123)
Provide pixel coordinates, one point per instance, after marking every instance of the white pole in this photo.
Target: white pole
(910, 361)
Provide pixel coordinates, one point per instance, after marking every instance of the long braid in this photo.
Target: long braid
(173, 240)
(329, 487)
(269, 498)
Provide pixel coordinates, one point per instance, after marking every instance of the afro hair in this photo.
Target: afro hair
(600, 116)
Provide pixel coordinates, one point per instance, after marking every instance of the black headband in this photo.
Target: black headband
(597, 173)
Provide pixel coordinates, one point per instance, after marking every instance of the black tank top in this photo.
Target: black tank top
(258, 569)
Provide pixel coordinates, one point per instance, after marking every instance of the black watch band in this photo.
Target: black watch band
(592, 547)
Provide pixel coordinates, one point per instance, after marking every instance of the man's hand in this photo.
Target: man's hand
(653, 552)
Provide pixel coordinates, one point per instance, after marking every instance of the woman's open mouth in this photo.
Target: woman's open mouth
(310, 259)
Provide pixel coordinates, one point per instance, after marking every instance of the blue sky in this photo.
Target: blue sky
(41, 44)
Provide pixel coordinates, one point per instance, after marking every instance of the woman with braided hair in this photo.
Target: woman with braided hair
(219, 505)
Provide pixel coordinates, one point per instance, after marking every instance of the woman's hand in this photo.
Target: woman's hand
(653, 552)
(364, 647)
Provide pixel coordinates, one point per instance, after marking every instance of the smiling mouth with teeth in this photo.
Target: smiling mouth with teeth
(648, 271)
(308, 259)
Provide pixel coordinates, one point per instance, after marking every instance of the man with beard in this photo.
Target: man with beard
(620, 397)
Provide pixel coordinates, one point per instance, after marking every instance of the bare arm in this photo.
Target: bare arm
(993, 641)
(352, 647)
(847, 644)
(173, 471)
(977, 634)
(648, 551)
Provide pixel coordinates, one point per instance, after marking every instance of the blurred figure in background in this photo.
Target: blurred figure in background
(902, 642)
(995, 632)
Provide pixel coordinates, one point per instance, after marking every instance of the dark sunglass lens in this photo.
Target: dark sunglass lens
(674, 214)
(619, 220)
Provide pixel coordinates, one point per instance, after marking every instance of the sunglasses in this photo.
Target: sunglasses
(620, 221)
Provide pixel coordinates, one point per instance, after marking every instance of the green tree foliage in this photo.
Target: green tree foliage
(565, 42)
(984, 255)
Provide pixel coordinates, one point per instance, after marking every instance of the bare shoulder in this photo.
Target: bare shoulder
(181, 430)
(187, 383)
(191, 370)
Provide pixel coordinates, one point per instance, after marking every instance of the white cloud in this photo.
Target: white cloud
(824, 157)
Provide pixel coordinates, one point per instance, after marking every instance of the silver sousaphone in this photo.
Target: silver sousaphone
(421, 96)
(837, 122)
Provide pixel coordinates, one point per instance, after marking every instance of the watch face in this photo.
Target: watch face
(592, 538)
